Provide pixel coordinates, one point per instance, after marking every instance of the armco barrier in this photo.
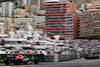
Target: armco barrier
(67, 57)
(82, 55)
(50, 58)
(40, 56)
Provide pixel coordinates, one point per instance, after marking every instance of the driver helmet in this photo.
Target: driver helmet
(20, 56)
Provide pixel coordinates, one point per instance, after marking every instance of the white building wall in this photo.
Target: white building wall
(22, 19)
(0, 11)
(10, 11)
(7, 9)
(38, 19)
(26, 2)
(3, 8)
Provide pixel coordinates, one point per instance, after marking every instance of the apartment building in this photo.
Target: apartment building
(71, 25)
(89, 23)
(38, 6)
(7, 9)
(23, 22)
(56, 17)
(19, 12)
(39, 22)
(6, 22)
(6, 30)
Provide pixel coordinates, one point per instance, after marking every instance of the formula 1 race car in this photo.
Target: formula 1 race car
(91, 56)
(20, 59)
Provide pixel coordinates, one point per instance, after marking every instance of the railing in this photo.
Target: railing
(54, 22)
(50, 58)
(57, 17)
(55, 11)
(53, 14)
(56, 28)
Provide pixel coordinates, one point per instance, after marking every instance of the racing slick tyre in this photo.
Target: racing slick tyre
(94, 57)
(19, 61)
(7, 62)
(86, 57)
(36, 61)
(97, 57)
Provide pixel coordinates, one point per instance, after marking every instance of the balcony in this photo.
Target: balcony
(54, 25)
(54, 22)
(53, 14)
(55, 11)
(51, 6)
(69, 30)
(69, 35)
(70, 22)
(56, 28)
(57, 17)
(71, 18)
(59, 33)
(69, 25)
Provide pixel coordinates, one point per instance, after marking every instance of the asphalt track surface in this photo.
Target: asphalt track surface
(72, 63)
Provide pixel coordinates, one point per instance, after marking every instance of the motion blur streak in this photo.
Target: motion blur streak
(17, 66)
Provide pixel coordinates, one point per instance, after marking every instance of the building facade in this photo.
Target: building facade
(19, 12)
(89, 23)
(25, 2)
(71, 25)
(39, 22)
(93, 4)
(33, 9)
(34, 2)
(17, 3)
(7, 9)
(26, 7)
(37, 6)
(56, 19)
(0, 11)
(23, 22)
(6, 30)
(6, 21)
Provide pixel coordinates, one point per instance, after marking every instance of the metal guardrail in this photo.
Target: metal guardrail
(67, 57)
(50, 58)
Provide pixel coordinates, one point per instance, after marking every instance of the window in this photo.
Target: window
(67, 9)
(91, 13)
(64, 4)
